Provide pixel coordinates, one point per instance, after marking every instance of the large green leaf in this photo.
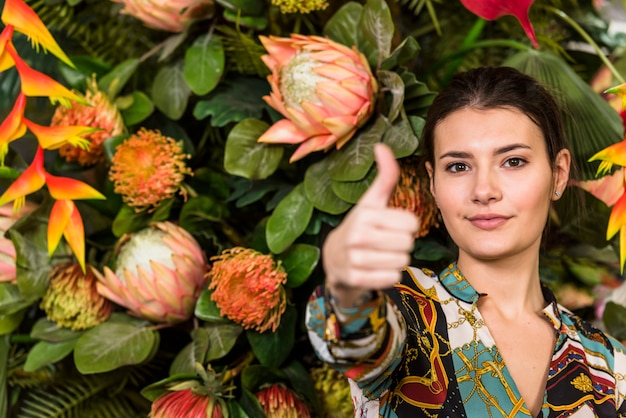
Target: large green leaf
(343, 25)
(85, 67)
(204, 64)
(289, 220)
(246, 157)
(138, 110)
(109, 346)
(44, 353)
(222, 339)
(392, 82)
(234, 100)
(194, 352)
(318, 188)
(170, 91)
(207, 310)
(401, 139)
(115, 80)
(47, 330)
(299, 261)
(351, 191)
(405, 52)
(377, 25)
(10, 322)
(273, 348)
(417, 96)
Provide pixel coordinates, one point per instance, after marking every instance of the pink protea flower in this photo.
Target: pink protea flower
(72, 299)
(168, 15)
(248, 288)
(99, 112)
(159, 273)
(325, 90)
(7, 250)
(278, 401)
(147, 169)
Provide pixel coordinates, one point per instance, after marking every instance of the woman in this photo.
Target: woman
(483, 338)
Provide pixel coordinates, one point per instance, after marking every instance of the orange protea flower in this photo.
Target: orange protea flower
(168, 15)
(147, 169)
(324, 89)
(279, 402)
(333, 392)
(248, 288)
(72, 299)
(413, 194)
(300, 6)
(99, 112)
(7, 250)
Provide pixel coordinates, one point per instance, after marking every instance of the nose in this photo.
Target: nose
(486, 188)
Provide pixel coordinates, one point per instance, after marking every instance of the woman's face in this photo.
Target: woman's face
(493, 181)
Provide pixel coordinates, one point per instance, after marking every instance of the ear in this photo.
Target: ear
(561, 171)
(431, 177)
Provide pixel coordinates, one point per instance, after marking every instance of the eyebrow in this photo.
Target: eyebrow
(499, 151)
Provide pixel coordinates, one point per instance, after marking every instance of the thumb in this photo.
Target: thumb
(378, 194)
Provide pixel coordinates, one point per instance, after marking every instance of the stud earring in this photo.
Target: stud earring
(557, 193)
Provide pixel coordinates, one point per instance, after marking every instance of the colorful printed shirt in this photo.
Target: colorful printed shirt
(422, 349)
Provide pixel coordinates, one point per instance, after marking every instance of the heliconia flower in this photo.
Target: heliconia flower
(617, 223)
(325, 90)
(147, 169)
(493, 9)
(31, 180)
(168, 15)
(186, 403)
(37, 84)
(65, 220)
(278, 401)
(99, 113)
(6, 61)
(12, 126)
(248, 288)
(412, 193)
(619, 91)
(333, 392)
(20, 16)
(54, 137)
(300, 6)
(608, 188)
(613, 154)
(7, 250)
(159, 273)
(72, 300)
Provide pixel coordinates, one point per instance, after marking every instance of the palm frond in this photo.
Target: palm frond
(243, 52)
(416, 7)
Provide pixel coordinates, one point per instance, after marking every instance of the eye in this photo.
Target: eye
(457, 167)
(514, 162)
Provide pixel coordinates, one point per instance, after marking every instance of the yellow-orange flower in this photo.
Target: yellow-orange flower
(72, 299)
(147, 169)
(300, 6)
(613, 154)
(54, 137)
(13, 126)
(324, 89)
(248, 288)
(278, 401)
(413, 194)
(99, 112)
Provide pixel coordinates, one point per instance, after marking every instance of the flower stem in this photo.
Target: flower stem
(561, 14)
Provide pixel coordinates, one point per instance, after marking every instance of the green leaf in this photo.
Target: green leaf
(377, 25)
(10, 322)
(614, 318)
(401, 139)
(256, 375)
(351, 191)
(417, 96)
(222, 339)
(417, 125)
(300, 379)
(289, 220)
(170, 91)
(127, 221)
(141, 107)
(44, 353)
(427, 249)
(235, 410)
(354, 160)
(318, 189)
(192, 353)
(85, 67)
(204, 64)
(343, 25)
(405, 52)
(234, 100)
(47, 330)
(109, 346)
(299, 261)
(114, 81)
(250, 404)
(392, 82)
(273, 348)
(207, 310)
(245, 7)
(245, 157)
(258, 23)
(11, 300)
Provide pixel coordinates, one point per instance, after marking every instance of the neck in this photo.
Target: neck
(512, 285)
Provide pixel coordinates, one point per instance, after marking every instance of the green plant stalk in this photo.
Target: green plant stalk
(472, 35)
(561, 14)
(4, 358)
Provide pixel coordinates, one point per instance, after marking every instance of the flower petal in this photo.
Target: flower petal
(6, 61)
(58, 221)
(31, 180)
(74, 234)
(12, 127)
(65, 188)
(280, 48)
(614, 154)
(17, 14)
(316, 143)
(608, 188)
(283, 132)
(54, 137)
(617, 219)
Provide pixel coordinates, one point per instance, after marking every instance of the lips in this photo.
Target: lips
(488, 221)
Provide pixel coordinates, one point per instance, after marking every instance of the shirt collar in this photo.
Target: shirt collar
(457, 285)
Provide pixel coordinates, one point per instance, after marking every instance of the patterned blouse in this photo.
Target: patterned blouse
(423, 350)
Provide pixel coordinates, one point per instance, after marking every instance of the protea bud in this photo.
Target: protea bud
(324, 89)
(300, 6)
(98, 112)
(279, 402)
(72, 299)
(147, 169)
(7, 250)
(168, 15)
(248, 288)
(413, 194)
(186, 403)
(333, 392)
(159, 273)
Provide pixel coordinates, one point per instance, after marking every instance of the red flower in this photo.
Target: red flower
(279, 402)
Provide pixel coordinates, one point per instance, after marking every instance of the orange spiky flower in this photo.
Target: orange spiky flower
(278, 401)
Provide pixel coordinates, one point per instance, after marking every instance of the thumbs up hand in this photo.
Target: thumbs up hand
(368, 250)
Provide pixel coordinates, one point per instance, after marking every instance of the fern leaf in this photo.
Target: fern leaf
(243, 52)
